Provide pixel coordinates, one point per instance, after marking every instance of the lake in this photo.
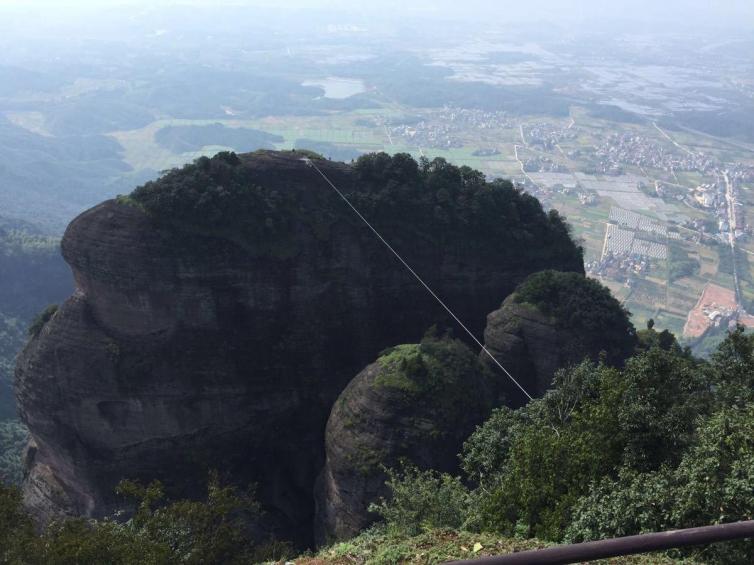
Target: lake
(337, 87)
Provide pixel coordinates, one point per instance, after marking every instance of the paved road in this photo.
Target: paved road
(521, 164)
(730, 205)
(671, 140)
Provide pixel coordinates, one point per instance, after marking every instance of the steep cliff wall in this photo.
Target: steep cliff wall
(219, 312)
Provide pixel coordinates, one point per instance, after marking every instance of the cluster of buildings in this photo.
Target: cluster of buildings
(619, 267)
(631, 242)
(545, 135)
(435, 135)
(722, 199)
(631, 149)
(541, 164)
(740, 173)
(719, 315)
(708, 195)
(445, 128)
(478, 119)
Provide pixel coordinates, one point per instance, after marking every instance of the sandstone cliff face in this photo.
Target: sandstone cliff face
(416, 403)
(182, 351)
(528, 344)
(555, 319)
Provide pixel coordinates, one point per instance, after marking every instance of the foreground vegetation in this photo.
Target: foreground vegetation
(213, 530)
(378, 547)
(666, 442)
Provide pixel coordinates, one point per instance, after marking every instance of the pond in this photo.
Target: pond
(338, 87)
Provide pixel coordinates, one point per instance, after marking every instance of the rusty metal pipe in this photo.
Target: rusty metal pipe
(642, 543)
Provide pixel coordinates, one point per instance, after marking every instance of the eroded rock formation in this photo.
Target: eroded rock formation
(554, 320)
(418, 403)
(220, 311)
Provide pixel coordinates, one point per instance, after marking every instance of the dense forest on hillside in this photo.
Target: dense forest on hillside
(48, 180)
(452, 204)
(585, 309)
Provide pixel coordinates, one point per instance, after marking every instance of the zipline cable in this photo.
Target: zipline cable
(345, 199)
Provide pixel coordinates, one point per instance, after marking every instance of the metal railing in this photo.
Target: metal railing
(629, 545)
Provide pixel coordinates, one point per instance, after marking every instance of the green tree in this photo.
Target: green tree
(568, 441)
(209, 531)
(214, 530)
(420, 501)
(732, 369)
(486, 451)
(714, 483)
(664, 394)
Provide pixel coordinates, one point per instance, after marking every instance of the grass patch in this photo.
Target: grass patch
(400, 366)
(127, 200)
(376, 547)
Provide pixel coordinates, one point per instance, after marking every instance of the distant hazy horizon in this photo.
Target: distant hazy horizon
(681, 13)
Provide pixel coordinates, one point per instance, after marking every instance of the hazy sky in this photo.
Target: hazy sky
(671, 13)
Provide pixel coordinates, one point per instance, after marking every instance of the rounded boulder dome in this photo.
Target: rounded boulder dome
(417, 402)
(552, 320)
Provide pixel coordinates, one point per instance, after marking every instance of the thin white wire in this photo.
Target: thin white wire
(416, 276)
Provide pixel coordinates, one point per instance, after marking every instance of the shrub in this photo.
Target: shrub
(546, 472)
(422, 500)
(209, 531)
(215, 530)
(533, 465)
(486, 451)
(631, 504)
(714, 483)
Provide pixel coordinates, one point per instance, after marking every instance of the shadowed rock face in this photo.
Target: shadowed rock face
(182, 351)
(416, 403)
(528, 344)
(570, 317)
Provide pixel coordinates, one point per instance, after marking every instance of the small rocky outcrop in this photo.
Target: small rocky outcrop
(552, 320)
(221, 310)
(417, 402)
